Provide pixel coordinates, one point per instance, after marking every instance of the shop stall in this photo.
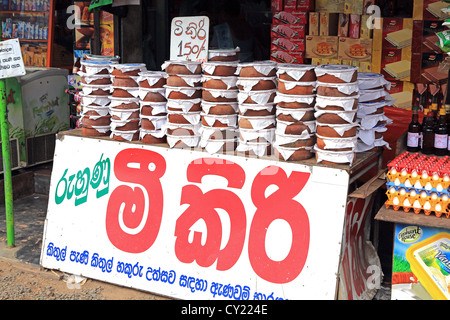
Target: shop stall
(222, 179)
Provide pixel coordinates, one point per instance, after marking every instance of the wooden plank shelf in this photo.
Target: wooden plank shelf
(411, 218)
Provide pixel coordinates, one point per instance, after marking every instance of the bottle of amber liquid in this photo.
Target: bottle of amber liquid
(414, 132)
(428, 133)
(441, 134)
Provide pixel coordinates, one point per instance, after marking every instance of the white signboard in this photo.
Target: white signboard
(190, 225)
(11, 61)
(189, 38)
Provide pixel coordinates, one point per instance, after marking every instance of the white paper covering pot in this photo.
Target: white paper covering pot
(263, 67)
(346, 103)
(134, 78)
(213, 146)
(191, 80)
(362, 147)
(158, 121)
(101, 129)
(144, 91)
(190, 65)
(196, 129)
(127, 67)
(367, 109)
(230, 120)
(347, 116)
(287, 152)
(157, 107)
(368, 136)
(134, 91)
(369, 80)
(282, 126)
(155, 133)
(89, 89)
(184, 105)
(343, 72)
(369, 122)
(91, 99)
(289, 98)
(348, 89)
(94, 67)
(229, 94)
(116, 101)
(210, 66)
(122, 114)
(340, 129)
(289, 85)
(229, 82)
(90, 78)
(207, 132)
(339, 143)
(371, 95)
(152, 77)
(191, 117)
(188, 91)
(190, 141)
(297, 114)
(115, 124)
(248, 84)
(259, 123)
(252, 134)
(127, 135)
(258, 148)
(207, 105)
(295, 71)
(101, 111)
(340, 157)
(259, 97)
(244, 107)
(284, 139)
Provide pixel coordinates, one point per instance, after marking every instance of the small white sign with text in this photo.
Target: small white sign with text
(189, 38)
(11, 61)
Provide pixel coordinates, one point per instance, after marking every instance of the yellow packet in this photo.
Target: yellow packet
(430, 262)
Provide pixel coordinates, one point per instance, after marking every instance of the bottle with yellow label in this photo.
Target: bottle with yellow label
(430, 262)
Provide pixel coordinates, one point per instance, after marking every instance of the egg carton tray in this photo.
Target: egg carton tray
(429, 192)
(417, 210)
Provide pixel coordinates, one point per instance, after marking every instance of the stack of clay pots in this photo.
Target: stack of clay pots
(153, 106)
(184, 93)
(372, 120)
(296, 123)
(336, 113)
(124, 107)
(96, 89)
(220, 105)
(257, 84)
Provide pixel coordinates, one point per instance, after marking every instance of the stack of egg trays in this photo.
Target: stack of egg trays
(428, 192)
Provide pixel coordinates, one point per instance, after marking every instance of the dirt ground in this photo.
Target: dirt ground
(19, 281)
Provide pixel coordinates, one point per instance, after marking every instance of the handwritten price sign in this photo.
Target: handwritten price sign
(189, 38)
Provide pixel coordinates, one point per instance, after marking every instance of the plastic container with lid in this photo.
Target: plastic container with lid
(430, 263)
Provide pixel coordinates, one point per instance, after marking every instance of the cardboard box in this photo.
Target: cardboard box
(328, 24)
(425, 68)
(294, 17)
(305, 5)
(335, 6)
(290, 5)
(322, 47)
(432, 10)
(366, 31)
(397, 32)
(287, 44)
(281, 56)
(276, 5)
(403, 93)
(355, 49)
(343, 25)
(289, 31)
(353, 7)
(354, 26)
(314, 20)
(424, 36)
(396, 64)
